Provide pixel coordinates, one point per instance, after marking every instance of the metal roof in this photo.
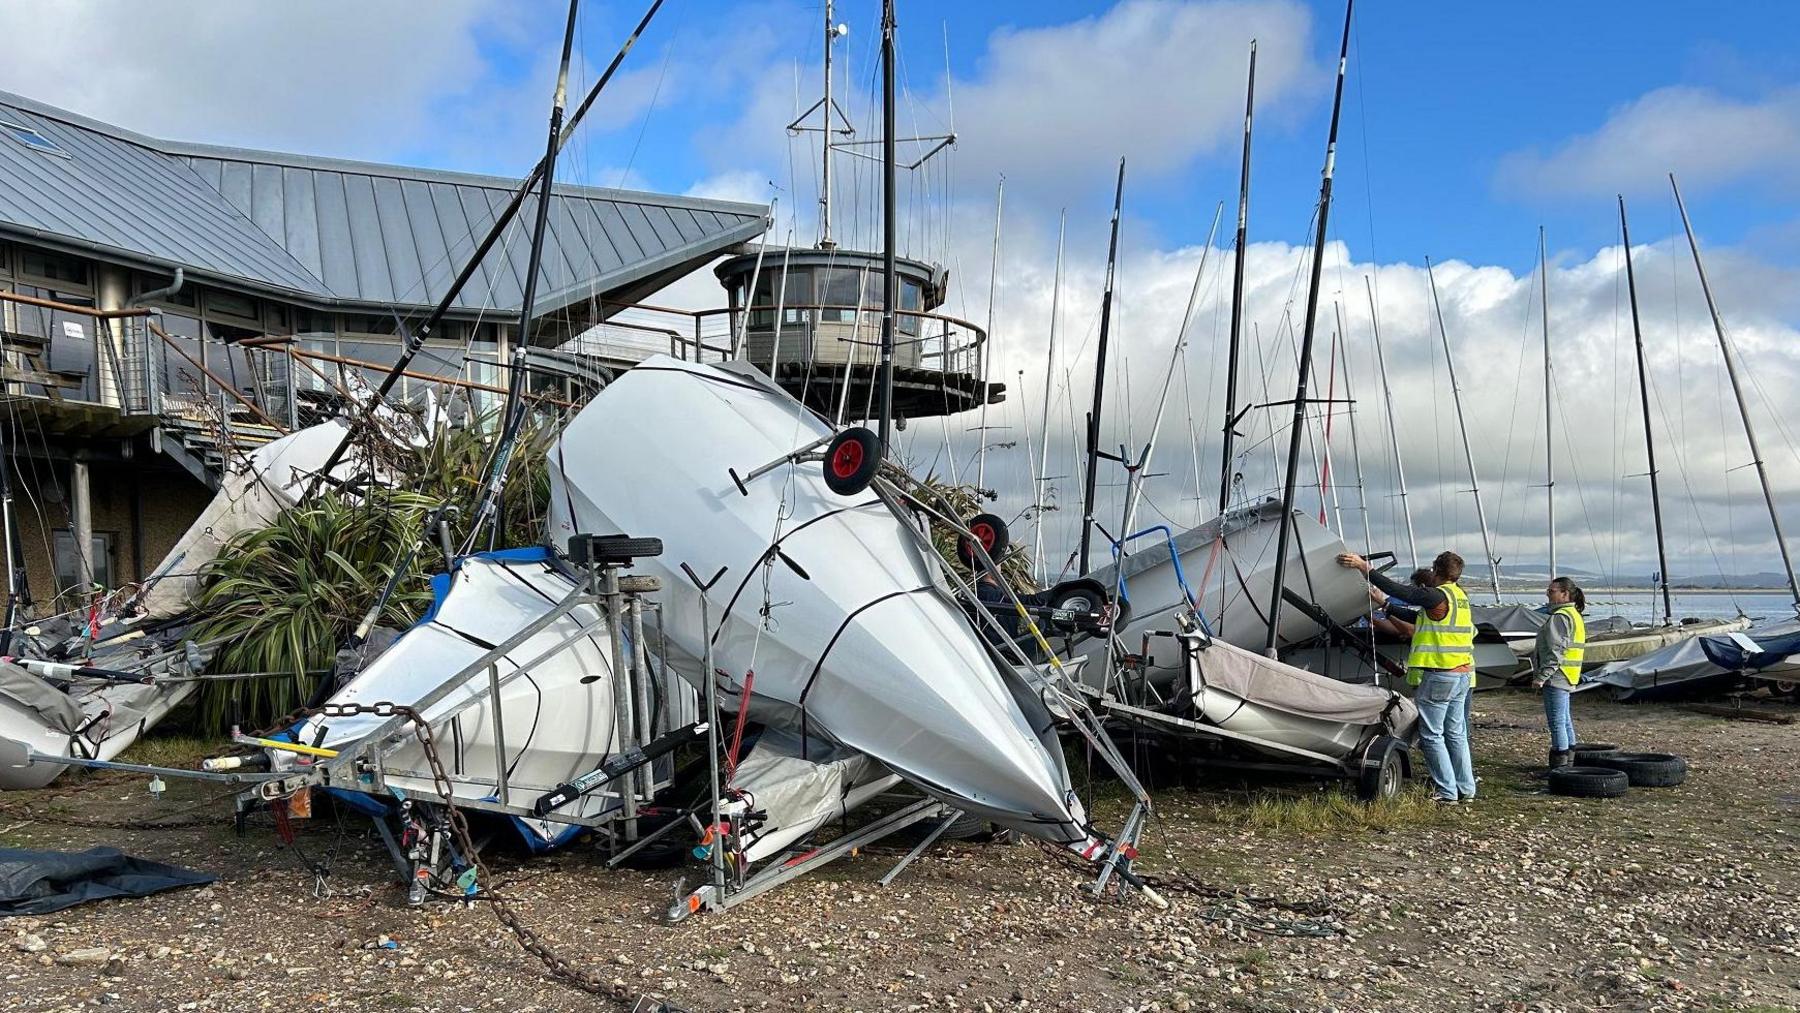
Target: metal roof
(335, 232)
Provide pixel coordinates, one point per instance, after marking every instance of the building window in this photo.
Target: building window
(53, 267)
(67, 570)
(32, 139)
(230, 306)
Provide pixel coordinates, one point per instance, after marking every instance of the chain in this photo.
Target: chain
(504, 911)
(1233, 906)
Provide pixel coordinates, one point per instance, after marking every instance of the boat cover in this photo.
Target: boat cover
(1265, 682)
(1696, 664)
(799, 786)
(39, 882)
(832, 617)
(1523, 620)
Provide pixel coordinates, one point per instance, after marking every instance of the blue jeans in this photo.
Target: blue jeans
(1556, 712)
(1444, 733)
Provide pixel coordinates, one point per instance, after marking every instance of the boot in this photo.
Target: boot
(1561, 758)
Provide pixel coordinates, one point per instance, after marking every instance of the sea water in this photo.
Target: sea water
(1646, 606)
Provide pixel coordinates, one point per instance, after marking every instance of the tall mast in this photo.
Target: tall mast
(416, 340)
(515, 399)
(1043, 476)
(888, 286)
(1637, 336)
(987, 344)
(1362, 491)
(1462, 426)
(1093, 419)
(1276, 601)
(1387, 397)
(1237, 292)
(825, 240)
(1549, 414)
(1737, 390)
(1327, 487)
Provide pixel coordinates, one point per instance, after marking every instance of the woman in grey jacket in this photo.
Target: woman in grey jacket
(1556, 660)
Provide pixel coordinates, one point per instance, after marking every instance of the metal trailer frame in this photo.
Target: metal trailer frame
(363, 766)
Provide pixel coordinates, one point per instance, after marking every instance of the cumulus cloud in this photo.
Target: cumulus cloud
(1705, 137)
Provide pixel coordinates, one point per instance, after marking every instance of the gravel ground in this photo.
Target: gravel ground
(1681, 898)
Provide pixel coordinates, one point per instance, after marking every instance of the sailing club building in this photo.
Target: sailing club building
(163, 304)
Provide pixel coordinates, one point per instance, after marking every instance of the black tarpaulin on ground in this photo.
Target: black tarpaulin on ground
(38, 882)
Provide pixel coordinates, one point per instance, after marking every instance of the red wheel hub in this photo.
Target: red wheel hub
(847, 459)
(984, 532)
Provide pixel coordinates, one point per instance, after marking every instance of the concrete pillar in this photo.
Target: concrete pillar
(81, 520)
(112, 289)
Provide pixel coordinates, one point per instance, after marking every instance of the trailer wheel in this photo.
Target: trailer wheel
(851, 461)
(1383, 770)
(992, 533)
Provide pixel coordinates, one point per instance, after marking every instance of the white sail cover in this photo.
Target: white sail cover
(848, 630)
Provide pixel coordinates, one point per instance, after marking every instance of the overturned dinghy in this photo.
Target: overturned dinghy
(517, 620)
(831, 619)
(72, 711)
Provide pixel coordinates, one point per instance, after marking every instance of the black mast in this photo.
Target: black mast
(515, 385)
(1637, 336)
(1306, 346)
(1237, 293)
(888, 281)
(1093, 419)
(416, 340)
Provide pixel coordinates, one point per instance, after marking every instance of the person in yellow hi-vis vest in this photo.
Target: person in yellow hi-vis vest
(1441, 666)
(1556, 662)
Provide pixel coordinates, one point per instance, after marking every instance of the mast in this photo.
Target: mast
(987, 344)
(416, 340)
(1043, 476)
(1327, 487)
(1737, 390)
(1637, 336)
(1462, 426)
(1093, 419)
(515, 401)
(1237, 292)
(888, 201)
(1549, 423)
(825, 240)
(1362, 491)
(1276, 601)
(1387, 397)
(6, 532)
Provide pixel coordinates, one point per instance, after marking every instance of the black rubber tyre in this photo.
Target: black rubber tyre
(613, 548)
(1383, 771)
(1588, 751)
(994, 537)
(1647, 770)
(1588, 782)
(1078, 595)
(851, 460)
(1783, 687)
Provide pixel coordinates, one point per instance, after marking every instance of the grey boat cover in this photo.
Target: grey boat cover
(38, 882)
(1268, 683)
(1694, 664)
(58, 710)
(1521, 619)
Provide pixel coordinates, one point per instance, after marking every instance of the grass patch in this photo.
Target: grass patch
(185, 751)
(1332, 812)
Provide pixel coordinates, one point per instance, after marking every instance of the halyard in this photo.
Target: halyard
(1679, 898)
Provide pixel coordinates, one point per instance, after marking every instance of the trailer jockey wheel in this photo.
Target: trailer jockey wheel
(851, 461)
(994, 538)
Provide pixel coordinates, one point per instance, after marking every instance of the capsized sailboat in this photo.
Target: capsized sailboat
(832, 620)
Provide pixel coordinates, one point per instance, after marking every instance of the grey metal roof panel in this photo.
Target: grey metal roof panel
(337, 231)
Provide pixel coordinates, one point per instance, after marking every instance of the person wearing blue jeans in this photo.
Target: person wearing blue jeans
(1556, 661)
(1444, 734)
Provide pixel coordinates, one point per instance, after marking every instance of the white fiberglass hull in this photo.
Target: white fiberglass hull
(846, 632)
(558, 719)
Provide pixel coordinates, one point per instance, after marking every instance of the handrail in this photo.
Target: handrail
(267, 343)
(224, 384)
(86, 311)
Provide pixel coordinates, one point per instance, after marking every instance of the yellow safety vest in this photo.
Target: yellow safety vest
(1571, 659)
(1444, 644)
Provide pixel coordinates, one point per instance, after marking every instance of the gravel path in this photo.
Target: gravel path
(1682, 898)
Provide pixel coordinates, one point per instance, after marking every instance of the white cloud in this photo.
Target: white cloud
(1702, 136)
